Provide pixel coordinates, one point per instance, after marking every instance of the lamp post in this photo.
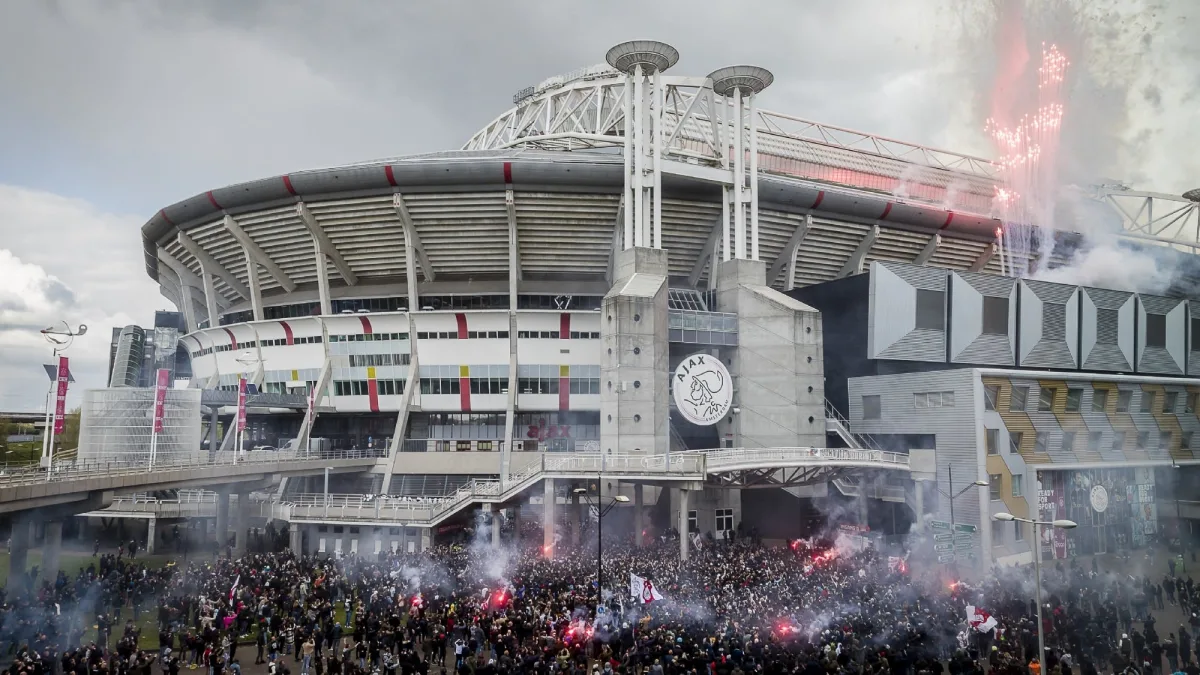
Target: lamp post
(1037, 566)
(61, 339)
(1176, 474)
(600, 513)
(951, 495)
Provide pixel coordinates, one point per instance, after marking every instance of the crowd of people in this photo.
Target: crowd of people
(831, 605)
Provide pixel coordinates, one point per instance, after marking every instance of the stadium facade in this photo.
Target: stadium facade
(536, 291)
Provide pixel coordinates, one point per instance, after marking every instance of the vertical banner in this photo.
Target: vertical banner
(241, 410)
(160, 398)
(60, 403)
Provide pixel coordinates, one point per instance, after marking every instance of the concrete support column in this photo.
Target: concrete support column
(516, 515)
(919, 499)
(683, 524)
(240, 524)
(150, 535)
(295, 539)
(214, 422)
(495, 525)
(639, 518)
(426, 538)
(548, 522)
(222, 519)
(51, 550)
(18, 554)
(579, 518)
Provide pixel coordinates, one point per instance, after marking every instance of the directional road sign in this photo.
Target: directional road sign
(960, 527)
(939, 525)
(943, 547)
(944, 536)
(946, 557)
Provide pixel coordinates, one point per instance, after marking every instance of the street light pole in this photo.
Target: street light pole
(601, 511)
(61, 339)
(952, 495)
(1037, 567)
(1176, 470)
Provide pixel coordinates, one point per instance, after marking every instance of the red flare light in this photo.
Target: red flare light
(418, 601)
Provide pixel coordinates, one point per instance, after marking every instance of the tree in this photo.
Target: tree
(69, 438)
(6, 428)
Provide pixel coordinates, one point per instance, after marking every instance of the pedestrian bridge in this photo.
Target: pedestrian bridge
(732, 467)
(88, 485)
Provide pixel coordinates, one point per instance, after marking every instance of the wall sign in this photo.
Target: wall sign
(1099, 498)
(703, 389)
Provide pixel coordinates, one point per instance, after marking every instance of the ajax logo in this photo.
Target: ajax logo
(703, 389)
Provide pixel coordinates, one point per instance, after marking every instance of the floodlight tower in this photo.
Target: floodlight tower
(739, 85)
(639, 59)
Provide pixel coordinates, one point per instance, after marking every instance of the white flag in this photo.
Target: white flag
(980, 620)
(643, 590)
(233, 589)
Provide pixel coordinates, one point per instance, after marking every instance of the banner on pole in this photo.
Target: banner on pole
(241, 409)
(60, 403)
(160, 398)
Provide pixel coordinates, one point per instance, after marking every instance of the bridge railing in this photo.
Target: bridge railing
(717, 460)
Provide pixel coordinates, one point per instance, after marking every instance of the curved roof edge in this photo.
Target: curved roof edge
(535, 168)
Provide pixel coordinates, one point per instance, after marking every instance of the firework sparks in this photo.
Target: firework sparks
(1028, 149)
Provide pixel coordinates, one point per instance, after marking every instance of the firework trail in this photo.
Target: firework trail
(1028, 149)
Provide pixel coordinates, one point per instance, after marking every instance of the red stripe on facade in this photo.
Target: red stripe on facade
(373, 394)
(462, 325)
(464, 393)
(564, 326)
(886, 210)
(391, 176)
(287, 333)
(508, 173)
(820, 198)
(213, 200)
(165, 217)
(287, 183)
(949, 219)
(564, 393)
(366, 324)
(232, 338)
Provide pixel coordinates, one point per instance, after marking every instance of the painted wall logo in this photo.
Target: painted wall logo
(703, 389)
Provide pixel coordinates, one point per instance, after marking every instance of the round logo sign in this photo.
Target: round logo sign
(1099, 498)
(703, 389)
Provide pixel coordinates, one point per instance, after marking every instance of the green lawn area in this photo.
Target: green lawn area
(26, 452)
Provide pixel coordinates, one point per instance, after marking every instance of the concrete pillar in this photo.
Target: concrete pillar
(150, 535)
(18, 554)
(222, 519)
(240, 523)
(495, 525)
(639, 517)
(919, 499)
(214, 443)
(548, 522)
(295, 539)
(516, 516)
(426, 538)
(51, 550)
(578, 519)
(683, 524)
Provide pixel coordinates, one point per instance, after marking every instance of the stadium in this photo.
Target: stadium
(634, 263)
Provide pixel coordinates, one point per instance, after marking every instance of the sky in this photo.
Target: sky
(112, 109)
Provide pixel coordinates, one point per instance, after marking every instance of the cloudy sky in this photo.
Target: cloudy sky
(111, 109)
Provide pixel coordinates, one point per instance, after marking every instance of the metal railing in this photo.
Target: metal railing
(82, 469)
(841, 426)
(724, 460)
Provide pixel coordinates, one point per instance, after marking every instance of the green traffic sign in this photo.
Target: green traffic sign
(961, 527)
(943, 547)
(939, 525)
(945, 536)
(946, 558)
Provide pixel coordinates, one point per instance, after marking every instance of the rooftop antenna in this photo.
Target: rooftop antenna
(639, 59)
(735, 83)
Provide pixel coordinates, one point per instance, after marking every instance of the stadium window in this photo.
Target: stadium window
(693, 522)
(1124, 400)
(931, 309)
(1156, 330)
(1068, 441)
(1143, 440)
(724, 520)
(995, 483)
(1046, 399)
(1148, 401)
(1118, 442)
(1018, 531)
(1196, 335)
(1018, 485)
(1185, 441)
(1020, 395)
(1170, 399)
(997, 536)
(1074, 399)
(872, 407)
(991, 393)
(1040, 441)
(995, 316)
(992, 441)
(1189, 405)
(1099, 400)
(1094, 438)
(1014, 441)
(1164, 440)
